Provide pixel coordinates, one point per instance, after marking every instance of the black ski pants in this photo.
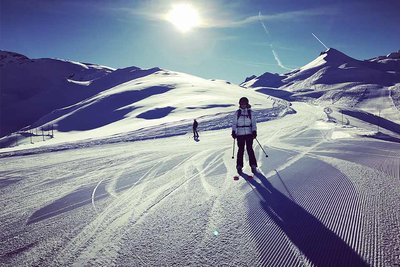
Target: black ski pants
(195, 133)
(247, 140)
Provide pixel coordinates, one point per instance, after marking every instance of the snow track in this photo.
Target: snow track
(316, 202)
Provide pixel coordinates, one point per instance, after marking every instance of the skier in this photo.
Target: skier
(195, 132)
(244, 128)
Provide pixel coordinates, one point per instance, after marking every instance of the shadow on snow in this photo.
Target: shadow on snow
(106, 110)
(373, 119)
(74, 200)
(156, 113)
(317, 243)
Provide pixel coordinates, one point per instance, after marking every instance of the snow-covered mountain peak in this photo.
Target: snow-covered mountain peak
(336, 56)
(43, 84)
(329, 58)
(390, 62)
(394, 55)
(336, 78)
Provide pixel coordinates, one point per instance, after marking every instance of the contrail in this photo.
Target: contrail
(279, 61)
(262, 23)
(320, 41)
(273, 51)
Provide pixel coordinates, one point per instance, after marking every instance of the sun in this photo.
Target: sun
(184, 17)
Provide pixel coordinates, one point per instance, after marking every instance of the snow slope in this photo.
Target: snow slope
(325, 196)
(336, 79)
(117, 102)
(31, 88)
(122, 182)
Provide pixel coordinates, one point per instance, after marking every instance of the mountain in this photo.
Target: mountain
(326, 194)
(81, 100)
(332, 67)
(336, 78)
(31, 88)
(157, 98)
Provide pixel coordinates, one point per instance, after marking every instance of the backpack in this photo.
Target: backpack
(238, 115)
(240, 112)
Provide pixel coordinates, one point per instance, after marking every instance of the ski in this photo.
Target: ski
(243, 175)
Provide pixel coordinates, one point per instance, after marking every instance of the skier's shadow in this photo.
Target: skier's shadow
(317, 243)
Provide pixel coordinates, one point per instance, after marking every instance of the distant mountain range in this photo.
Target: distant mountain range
(32, 88)
(80, 97)
(335, 78)
(42, 85)
(76, 95)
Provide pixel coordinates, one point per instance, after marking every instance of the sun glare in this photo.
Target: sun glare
(184, 17)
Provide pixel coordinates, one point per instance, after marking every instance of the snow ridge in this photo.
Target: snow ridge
(334, 78)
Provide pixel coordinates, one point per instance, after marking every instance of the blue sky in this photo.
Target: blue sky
(235, 39)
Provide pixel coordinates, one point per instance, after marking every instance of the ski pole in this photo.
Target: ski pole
(262, 148)
(233, 153)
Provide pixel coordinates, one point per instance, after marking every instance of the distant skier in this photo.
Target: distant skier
(244, 128)
(195, 132)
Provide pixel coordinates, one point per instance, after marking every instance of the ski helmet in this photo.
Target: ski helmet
(244, 100)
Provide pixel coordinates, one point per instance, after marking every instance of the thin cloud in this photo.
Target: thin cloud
(222, 19)
(292, 15)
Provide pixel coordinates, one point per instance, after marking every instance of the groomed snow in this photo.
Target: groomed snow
(319, 200)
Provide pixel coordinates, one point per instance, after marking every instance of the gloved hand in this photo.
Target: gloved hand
(233, 134)
(254, 134)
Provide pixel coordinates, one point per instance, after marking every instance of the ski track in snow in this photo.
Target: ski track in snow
(317, 201)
